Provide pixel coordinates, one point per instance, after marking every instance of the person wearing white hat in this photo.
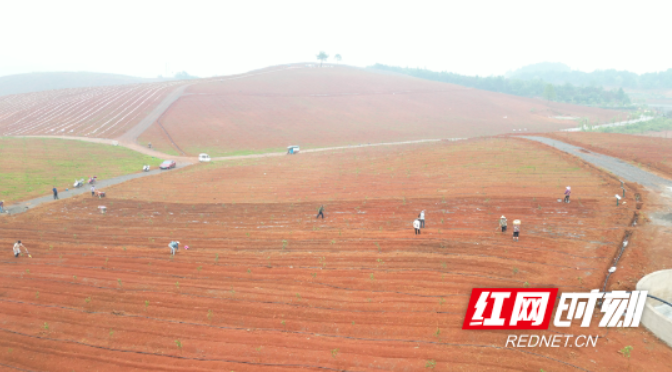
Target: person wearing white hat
(568, 191)
(502, 223)
(173, 247)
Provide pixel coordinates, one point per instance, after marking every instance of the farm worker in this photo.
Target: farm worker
(502, 223)
(421, 217)
(516, 232)
(17, 248)
(55, 192)
(416, 226)
(93, 191)
(568, 191)
(2, 206)
(173, 247)
(320, 212)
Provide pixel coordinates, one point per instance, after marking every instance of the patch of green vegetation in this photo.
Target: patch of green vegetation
(31, 167)
(655, 125)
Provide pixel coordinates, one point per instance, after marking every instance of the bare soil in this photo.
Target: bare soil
(266, 286)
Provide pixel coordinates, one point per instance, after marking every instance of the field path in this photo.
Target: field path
(616, 166)
(100, 185)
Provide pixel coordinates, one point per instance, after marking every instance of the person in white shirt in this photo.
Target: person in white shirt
(421, 217)
(416, 226)
(17, 249)
(93, 191)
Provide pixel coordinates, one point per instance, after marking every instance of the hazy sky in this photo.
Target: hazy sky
(208, 38)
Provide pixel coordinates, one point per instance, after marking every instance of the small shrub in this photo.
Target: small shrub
(334, 353)
(430, 364)
(624, 351)
(178, 343)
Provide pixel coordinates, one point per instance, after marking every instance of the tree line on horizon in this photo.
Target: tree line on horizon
(607, 78)
(567, 93)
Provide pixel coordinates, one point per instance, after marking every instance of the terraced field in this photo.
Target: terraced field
(31, 167)
(103, 112)
(336, 105)
(652, 153)
(266, 286)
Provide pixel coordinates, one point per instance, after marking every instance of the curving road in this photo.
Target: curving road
(616, 166)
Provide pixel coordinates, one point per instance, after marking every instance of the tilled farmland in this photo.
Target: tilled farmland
(103, 112)
(266, 286)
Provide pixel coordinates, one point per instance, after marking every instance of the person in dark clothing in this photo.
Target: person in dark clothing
(320, 212)
(55, 193)
(503, 223)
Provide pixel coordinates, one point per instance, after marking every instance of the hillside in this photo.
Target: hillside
(337, 105)
(105, 112)
(41, 81)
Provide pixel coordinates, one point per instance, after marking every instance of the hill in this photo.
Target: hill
(41, 81)
(337, 105)
(538, 68)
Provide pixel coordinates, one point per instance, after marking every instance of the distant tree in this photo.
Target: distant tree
(322, 57)
(184, 75)
(338, 58)
(549, 92)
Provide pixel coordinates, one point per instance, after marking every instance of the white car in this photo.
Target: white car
(204, 158)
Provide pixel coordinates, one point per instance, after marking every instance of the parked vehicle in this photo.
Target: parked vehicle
(92, 180)
(145, 168)
(78, 183)
(167, 164)
(204, 158)
(291, 150)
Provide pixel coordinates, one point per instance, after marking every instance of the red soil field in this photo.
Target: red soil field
(266, 286)
(103, 112)
(652, 153)
(336, 105)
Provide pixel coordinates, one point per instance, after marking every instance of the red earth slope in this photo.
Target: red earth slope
(330, 106)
